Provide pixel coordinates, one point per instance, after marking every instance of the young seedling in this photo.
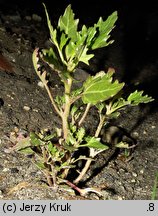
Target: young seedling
(55, 154)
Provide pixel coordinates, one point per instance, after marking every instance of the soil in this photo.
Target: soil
(25, 106)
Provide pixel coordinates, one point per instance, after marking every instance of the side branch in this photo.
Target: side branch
(52, 101)
(84, 114)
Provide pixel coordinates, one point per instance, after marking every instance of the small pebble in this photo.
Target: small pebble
(28, 18)
(35, 110)
(134, 174)
(5, 170)
(40, 84)
(120, 198)
(36, 17)
(7, 151)
(16, 129)
(136, 134)
(142, 171)
(15, 18)
(27, 108)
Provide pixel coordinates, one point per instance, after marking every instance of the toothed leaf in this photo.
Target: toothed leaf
(23, 143)
(35, 140)
(80, 134)
(84, 57)
(53, 32)
(101, 87)
(103, 31)
(136, 98)
(68, 24)
(95, 143)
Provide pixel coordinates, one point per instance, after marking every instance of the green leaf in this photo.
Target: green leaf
(95, 143)
(40, 165)
(70, 148)
(52, 59)
(74, 110)
(23, 143)
(80, 134)
(114, 115)
(84, 57)
(83, 35)
(63, 40)
(104, 28)
(68, 24)
(100, 87)
(118, 104)
(35, 140)
(71, 139)
(49, 137)
(73, 128)
(70, 50)
(27, 151)
(51, 148)
(77, 51)
(24, 146)
(60, 100)
(136, 98)
(53, 33)
(77, 91)
(100, 107)
(122, 145)
(91, 32)
(66, 165)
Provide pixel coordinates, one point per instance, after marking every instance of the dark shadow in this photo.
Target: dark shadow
(99, 168)
(140, 45)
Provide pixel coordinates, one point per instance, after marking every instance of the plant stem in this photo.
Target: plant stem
(65, 115)
(83, 172)
(100, 125)
(66, 170)
(91, 154)
(84, 114)
(49, 178)
(52, 100)
(46, 172)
